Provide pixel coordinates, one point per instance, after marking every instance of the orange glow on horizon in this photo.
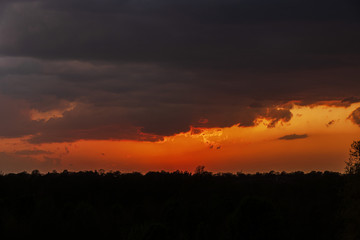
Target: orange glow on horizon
(325, 134)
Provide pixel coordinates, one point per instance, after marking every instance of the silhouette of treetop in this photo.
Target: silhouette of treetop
(353, 163)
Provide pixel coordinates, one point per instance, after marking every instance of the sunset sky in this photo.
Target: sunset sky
(140, 85)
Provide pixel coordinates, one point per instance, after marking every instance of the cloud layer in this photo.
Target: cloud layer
(142, 70)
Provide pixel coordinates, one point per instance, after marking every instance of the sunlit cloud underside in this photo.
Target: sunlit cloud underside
(316, 138)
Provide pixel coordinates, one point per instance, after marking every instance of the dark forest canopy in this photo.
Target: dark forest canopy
(181, 205)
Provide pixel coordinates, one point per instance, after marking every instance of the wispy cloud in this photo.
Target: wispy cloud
(293, 137)
(332, 122)
(32, 152)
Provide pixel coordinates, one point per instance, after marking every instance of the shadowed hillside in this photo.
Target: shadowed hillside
(181, 205)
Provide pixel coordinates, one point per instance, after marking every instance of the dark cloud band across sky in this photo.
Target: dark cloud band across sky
(142, 70)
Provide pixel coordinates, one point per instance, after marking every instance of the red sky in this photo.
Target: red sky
(172, 84)
(318, 138)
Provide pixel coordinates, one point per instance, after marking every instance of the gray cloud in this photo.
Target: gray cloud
(15, 118)
(293, 137)
(142, 70)
(227, 34)
(351, 100)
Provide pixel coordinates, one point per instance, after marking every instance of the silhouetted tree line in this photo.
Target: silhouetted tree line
(181, 205)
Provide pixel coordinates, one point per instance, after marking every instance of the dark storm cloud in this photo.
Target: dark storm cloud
(88, 122)
(351, 100)
(142, 70)
(15, 118)
(293, 137)
(259, 35)
(276, 115)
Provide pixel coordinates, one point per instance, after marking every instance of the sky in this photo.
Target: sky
(139, 85)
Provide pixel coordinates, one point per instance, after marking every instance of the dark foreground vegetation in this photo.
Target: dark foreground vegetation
(161, 205)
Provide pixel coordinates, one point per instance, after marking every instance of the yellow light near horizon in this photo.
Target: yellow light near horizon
(249, 149)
